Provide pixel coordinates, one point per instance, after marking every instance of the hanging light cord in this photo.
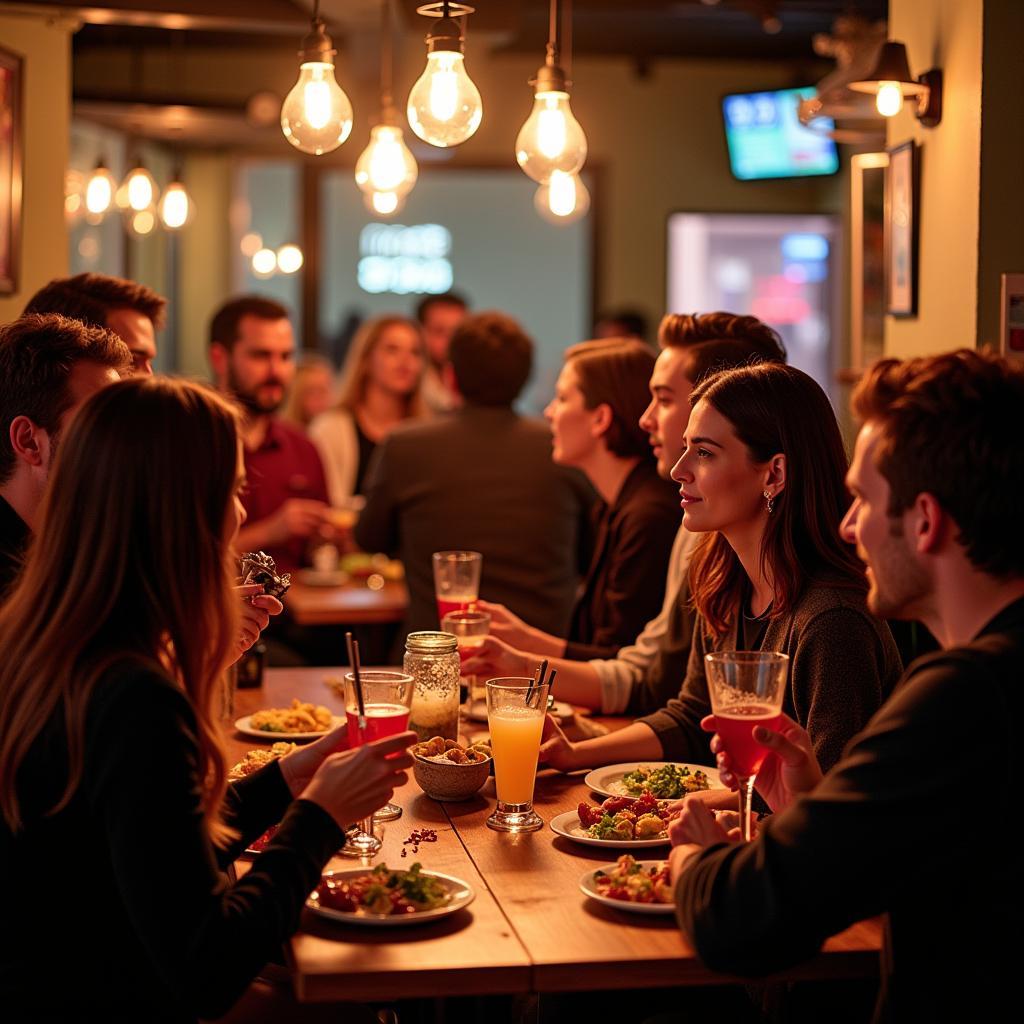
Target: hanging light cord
(386, 99)
(554, 33)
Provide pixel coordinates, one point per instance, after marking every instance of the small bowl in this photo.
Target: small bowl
(449, 782)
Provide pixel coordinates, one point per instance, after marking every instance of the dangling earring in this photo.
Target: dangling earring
(770, 501)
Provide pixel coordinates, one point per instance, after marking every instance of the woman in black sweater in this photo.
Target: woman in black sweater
(116, 819)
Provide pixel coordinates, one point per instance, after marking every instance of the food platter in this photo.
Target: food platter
(461, 896)
(608, 780)
(568, 825)
(244, 726)
(588, 885)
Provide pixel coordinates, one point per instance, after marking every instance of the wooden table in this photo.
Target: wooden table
(529, 929)
(353, 604)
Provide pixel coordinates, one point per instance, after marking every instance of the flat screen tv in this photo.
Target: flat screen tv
(767, 140)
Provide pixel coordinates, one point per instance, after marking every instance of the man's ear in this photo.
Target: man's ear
(929, 523)
(31, 443)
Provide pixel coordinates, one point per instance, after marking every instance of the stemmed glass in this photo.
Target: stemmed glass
(471, 629)
(746, 690)
(387, 697)
(456, 580)
(516, 706)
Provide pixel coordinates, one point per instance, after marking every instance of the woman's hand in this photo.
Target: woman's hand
(555, 749)
(352, 785)
(299, 767)
(789, 769)
(494, 658)
(697, 824)
(506, 625)
(257, 607)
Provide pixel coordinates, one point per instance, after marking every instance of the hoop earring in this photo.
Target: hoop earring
(769, 502)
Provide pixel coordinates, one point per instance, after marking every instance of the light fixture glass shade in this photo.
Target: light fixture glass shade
(386, 165)
(264, 262)
(551, 139)
(99, 193)
(890, 74)
(384, 204)
(889, 99)
(176, 206)
(563, 199)
(289, 259)
(316, 115)
(140, 223)
(138, 191)
(444, 105)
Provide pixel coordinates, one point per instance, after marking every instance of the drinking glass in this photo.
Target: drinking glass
(456, 580)
(387, 697)
(471, 629)
(746, 690)
(515, 715)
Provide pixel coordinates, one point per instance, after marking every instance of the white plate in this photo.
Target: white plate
(608, 780)
(477, 711)
(568, 825)
(589, 888)
(461, 892)
(322, 577)
(244, 726)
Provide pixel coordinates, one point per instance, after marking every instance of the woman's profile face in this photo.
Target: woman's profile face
(396, 363)
(316, 384)
(573, 435)
(720, 485)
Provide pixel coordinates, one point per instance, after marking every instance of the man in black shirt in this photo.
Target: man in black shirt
(896, 826)
(49, 366)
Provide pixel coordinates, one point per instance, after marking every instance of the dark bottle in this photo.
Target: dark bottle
(250, 666)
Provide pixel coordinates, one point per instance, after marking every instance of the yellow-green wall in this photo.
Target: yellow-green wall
(44, 44)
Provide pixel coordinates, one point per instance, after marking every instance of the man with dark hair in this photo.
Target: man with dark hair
(439, 316)
(49, 366)
(481, 479)
(896, 825)
(131, 310)
(252, 351)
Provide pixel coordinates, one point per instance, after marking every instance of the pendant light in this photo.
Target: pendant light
(563, 199)
(386, 167)
(176, 206)
(316, 115)
(444, 105)
(138, 191)
(99, 192)
(551, 139)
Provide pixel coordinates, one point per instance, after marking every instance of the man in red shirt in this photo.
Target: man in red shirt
(252, 350)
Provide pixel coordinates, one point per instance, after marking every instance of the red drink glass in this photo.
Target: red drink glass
(746, 690)
(387, 698)
(456, 580)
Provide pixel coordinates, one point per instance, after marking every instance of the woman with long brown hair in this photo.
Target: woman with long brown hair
(381, 385)
(114, 809)
(762, 477)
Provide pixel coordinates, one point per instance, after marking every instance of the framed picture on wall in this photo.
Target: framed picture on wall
(10, 169)
(901, 181)
(868, 297)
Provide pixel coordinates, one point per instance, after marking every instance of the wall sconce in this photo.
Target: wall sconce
(892, 82)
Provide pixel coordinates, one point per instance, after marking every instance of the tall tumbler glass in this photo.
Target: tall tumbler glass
(471, 629)
(515, 715)
(387, 697)
(456, 580)
(746, 689)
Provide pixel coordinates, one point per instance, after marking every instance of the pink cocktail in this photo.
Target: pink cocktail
(736, 727)
(746, 689)
(455, 603)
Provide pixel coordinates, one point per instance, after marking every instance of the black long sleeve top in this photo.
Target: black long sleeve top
(116, 905)
(897, 827)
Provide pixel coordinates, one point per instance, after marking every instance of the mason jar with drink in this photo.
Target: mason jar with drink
(432, 659)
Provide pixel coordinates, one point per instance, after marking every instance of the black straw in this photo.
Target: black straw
(538, 681)
(353, 657)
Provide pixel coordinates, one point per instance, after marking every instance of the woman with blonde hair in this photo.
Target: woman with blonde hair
(312, 390)
(381, 386)
(115, 812)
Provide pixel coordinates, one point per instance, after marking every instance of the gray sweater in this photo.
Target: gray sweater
(843, 664)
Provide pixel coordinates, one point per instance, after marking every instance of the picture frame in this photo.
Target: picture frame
(11, 127)
(901, 229)
(868, 295)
